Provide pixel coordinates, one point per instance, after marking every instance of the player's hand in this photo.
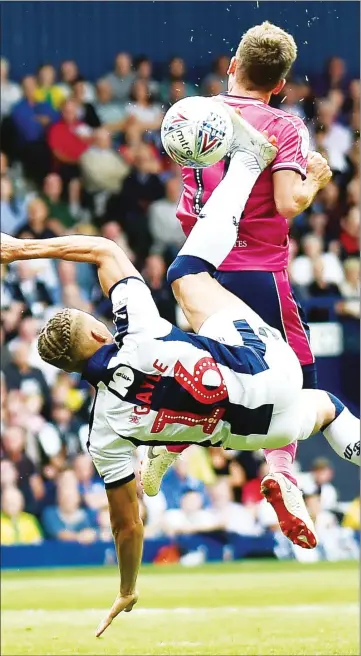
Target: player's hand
(8, 248)
(121, 603)
(318, 167)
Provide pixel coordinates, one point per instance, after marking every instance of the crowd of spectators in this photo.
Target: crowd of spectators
(85, 156)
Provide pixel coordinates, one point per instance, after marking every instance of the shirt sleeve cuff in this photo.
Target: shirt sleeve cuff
(289, 166)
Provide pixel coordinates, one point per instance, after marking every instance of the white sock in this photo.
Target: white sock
(343, 435)
(216, 230)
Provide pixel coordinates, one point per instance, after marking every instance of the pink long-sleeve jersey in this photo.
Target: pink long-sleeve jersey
(262, 243)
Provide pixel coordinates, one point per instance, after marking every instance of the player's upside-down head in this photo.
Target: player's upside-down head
(263, 58)
(70, 338)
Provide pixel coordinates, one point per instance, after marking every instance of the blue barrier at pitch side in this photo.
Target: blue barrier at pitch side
(60, 554)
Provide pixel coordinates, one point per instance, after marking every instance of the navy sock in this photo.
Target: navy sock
(184, 265)
(339, 406)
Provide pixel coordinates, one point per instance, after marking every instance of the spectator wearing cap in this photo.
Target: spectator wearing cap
(122, 77)
(17, 526)
(86, 111)
(47, 90)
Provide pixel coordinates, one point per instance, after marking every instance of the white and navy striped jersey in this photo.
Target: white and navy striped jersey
(157, 384)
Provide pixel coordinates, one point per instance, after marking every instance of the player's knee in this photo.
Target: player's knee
(324, 410)
(125, 529)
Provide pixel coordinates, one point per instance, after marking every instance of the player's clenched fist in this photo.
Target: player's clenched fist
(121, 603)
(318, 167)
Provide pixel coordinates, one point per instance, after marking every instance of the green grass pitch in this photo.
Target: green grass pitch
(261, 608)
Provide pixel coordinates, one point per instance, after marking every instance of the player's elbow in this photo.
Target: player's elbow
(104, 248)
(287, 208)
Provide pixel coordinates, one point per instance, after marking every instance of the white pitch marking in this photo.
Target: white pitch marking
(38, 616)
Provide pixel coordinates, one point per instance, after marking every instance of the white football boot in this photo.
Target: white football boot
(249, 140)
(290, 508)
(155, 464)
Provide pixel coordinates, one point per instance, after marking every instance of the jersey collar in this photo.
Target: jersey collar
(94, 368)
(256, 100)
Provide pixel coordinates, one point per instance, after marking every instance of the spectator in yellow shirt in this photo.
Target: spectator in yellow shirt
(352, 515)
(17, 527)
(47, 90)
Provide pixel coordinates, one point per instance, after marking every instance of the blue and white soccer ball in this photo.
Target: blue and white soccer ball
(197, 132)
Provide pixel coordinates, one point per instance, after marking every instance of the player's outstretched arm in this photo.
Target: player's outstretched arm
(111, 261)
(127, 530)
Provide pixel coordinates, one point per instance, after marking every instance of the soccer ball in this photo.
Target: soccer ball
(197, 132)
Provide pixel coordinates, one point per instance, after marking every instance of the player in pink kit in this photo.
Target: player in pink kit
(256, 268)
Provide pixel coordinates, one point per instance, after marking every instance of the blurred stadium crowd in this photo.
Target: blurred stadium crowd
(85, 157)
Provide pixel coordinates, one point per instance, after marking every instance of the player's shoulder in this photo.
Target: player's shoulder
(260, 111)
(287, 119)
